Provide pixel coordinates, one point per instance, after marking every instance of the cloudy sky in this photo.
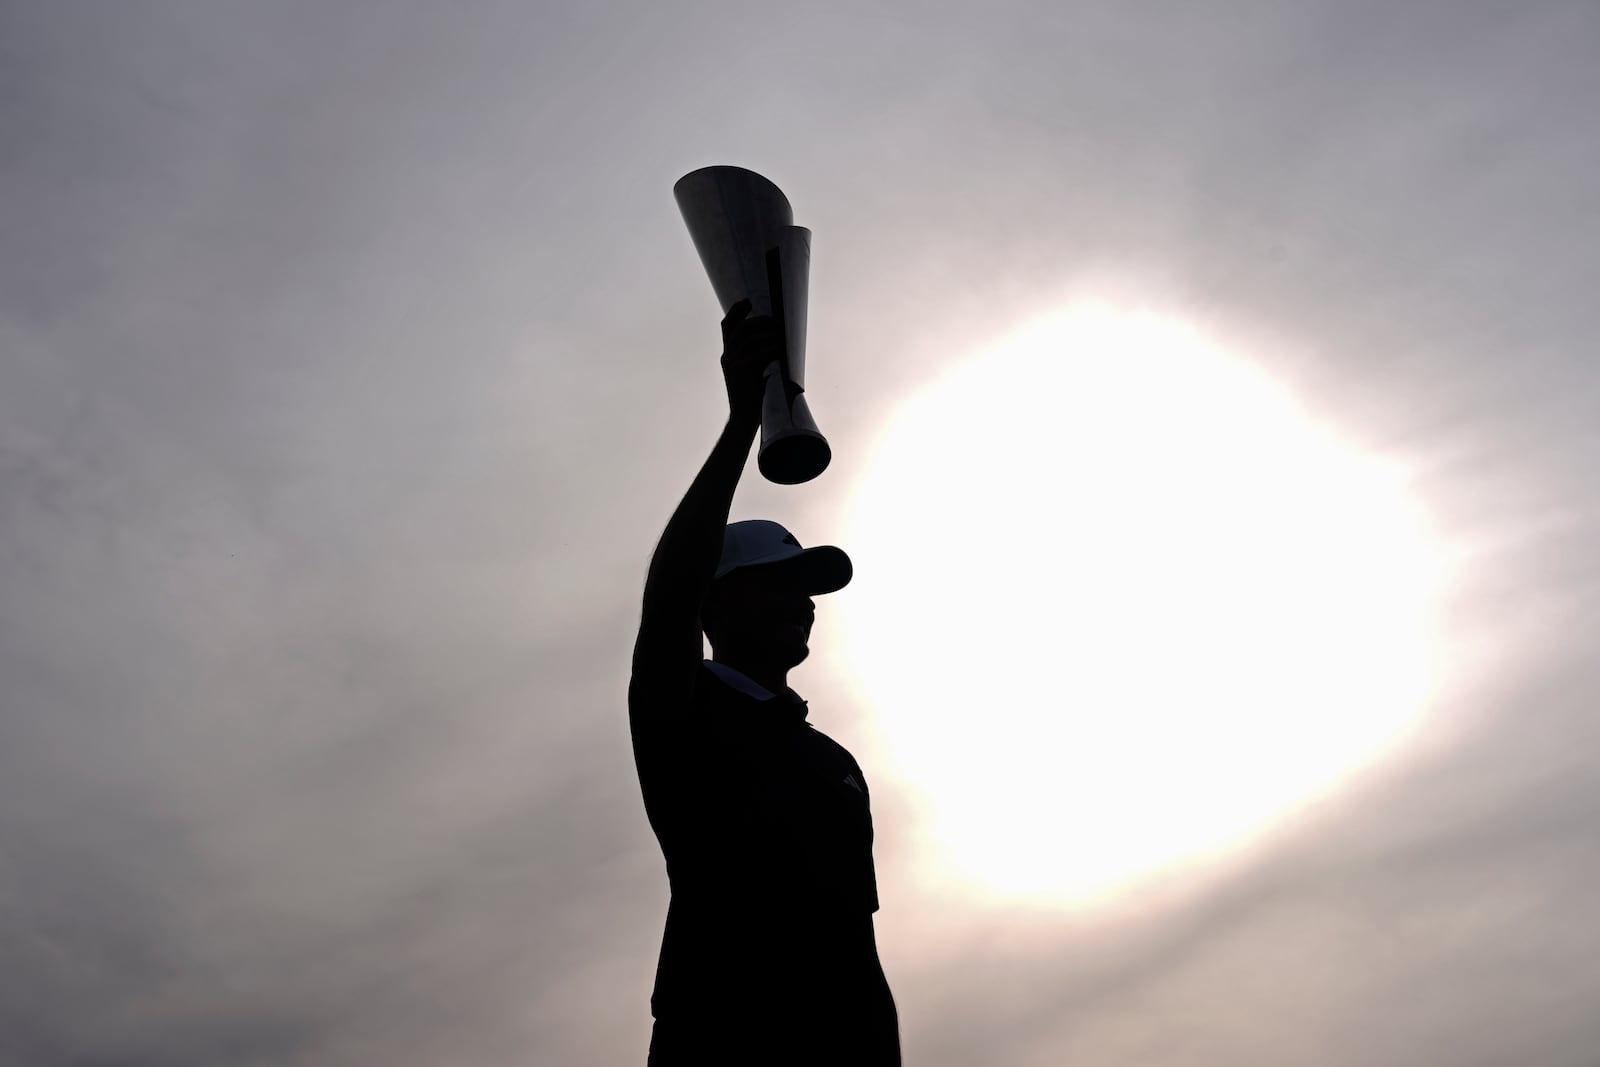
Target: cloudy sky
(352, 356)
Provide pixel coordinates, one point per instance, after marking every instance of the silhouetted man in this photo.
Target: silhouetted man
(769, 955)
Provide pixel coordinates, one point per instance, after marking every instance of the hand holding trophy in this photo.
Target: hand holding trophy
(759, 263)
(751, 351)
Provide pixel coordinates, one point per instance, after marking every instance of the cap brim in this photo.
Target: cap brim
(817, 570)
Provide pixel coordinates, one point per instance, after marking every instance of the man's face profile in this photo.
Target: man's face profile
(756, 615)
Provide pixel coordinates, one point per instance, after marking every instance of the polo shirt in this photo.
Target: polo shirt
(766, 828)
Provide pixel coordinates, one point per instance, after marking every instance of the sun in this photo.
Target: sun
(1122, 604)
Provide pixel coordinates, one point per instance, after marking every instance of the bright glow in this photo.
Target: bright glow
(1121, 604)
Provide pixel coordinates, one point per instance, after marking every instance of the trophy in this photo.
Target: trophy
(743, 228)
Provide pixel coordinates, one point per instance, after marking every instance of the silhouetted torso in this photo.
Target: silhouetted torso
(765, 825)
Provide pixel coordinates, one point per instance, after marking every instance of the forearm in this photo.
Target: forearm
(686, 556)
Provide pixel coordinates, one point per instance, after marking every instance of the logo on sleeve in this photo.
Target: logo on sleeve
(850, 780)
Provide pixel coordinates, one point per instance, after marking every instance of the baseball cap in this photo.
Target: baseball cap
(763, 543)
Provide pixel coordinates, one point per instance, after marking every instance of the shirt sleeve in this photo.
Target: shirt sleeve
(676, 768)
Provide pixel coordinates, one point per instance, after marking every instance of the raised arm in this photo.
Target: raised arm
(668, 650)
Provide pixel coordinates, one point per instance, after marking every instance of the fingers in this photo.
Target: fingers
(736, 313)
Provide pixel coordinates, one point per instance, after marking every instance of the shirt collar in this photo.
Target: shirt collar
(742, 682)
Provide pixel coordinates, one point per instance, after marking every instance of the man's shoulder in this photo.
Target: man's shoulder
(829, 747)
(709, 702)
(660, 713)
(701, 681)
